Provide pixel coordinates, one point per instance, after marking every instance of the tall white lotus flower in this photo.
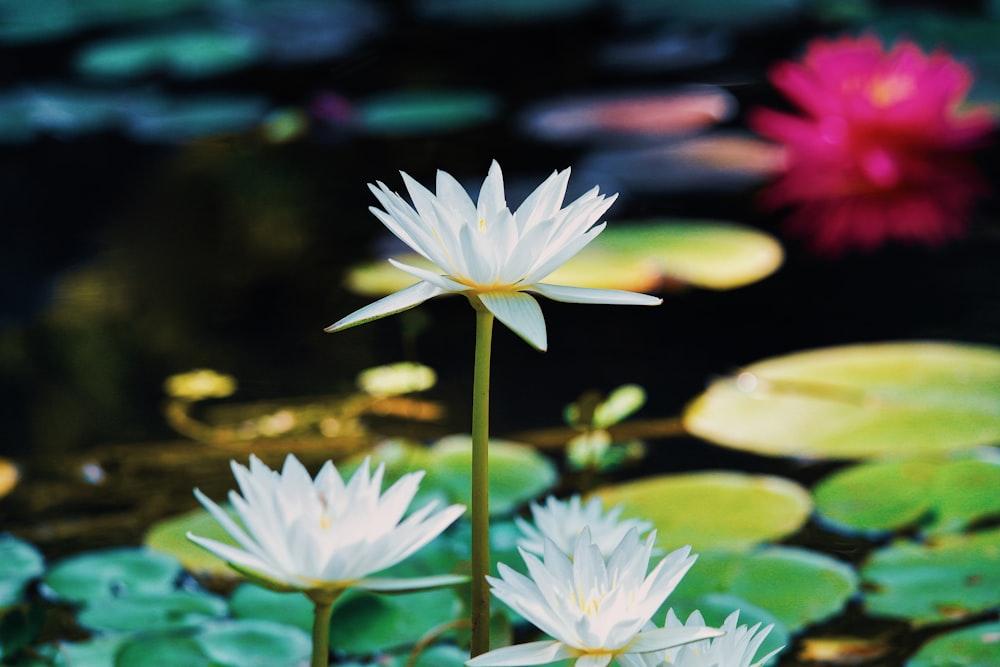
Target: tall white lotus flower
(323, 536)
(594, 608)
(736, 648)
(562, 521)
(493, 256)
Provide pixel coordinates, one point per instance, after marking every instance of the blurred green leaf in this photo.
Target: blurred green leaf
(20, 562)
(255, 644)
(112, 573)
(170, 537)
(713, 510)
(407, 113)
(145, 612)
(902, 400)
(974, 646)
(365, 623)
(187, 54)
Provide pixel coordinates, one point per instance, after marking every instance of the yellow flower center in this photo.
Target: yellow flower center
(886, 90)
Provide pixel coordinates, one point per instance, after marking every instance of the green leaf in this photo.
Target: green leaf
(163, 651)
(20, 562)
(619, 404)
(407, 113)
(974, 646)
(250, 601)
(713, 510)
(177, 609)
(365, 623)
(964, 492)
(255, 644)
(953, 578)
(170, 537)
(187, 54)
(110, 573)
(903, 400)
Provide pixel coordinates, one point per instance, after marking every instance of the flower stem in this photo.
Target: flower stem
(481, 484)
(321, 632)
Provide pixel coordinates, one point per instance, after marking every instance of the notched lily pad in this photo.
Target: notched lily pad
(713, 510)
(900, 400)
(893, 495)
(642, 256)
(110, 573)
(952, 578)
(974, 646)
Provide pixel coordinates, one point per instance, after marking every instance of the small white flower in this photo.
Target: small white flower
(595, 609)
(734, 649)
(489, 254)
(563, 521)
(324, 535)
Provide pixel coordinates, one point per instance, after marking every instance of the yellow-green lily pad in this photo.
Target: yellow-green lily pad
(714, 510)
(640, 256)
(896, 494)
(953, 578)
(170, 537)
(899, 399)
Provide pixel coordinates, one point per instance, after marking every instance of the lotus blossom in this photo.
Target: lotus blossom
(595, 609)
(491, 255)
(879, 150)
(736, 648)
(324, 535)
(562, 522)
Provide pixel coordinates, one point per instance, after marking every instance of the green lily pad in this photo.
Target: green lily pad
(902, 400)
(955, 577)
(633, 256)
(893, 495)
(255, 644)
(420, 113)
(518, 472)
(112, 573)
(163, 651)
(189, 54)
(177, 609)
(365, 623)
(170, 537)
(773, 579)
(250, 601)
(20, 562)
(974, 646)
(96, 652)
(714, 510)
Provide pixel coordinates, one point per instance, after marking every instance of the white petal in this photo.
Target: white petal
(598, 660)
(555, 256)
(234, 556)
(569, 294)
(532, 653)
(405, 585)
(521, 313)
(491, 196)
(664, 638)
(445, 283)
(404, 299)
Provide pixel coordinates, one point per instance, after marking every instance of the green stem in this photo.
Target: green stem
(321, 632)
(481, 484)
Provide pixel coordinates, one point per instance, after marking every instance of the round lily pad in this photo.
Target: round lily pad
(774, 579)
(255, 644)
(518, 472)
(894, 495)
(713, 510)
(250, 601)
(177, 609)
(974, 646)
(20, 562)
(163, 651)
(111, 573)
(640, 256)
(954, 577)
(365, 623)
(902, 400)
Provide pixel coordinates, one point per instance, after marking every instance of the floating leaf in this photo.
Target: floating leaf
(163, 651)
(176, 609)
(250, 601)
(365, 623)
(773, 578)
(518, 472)
(619, 404)
(893, 495)
(880, 400)
(712, 510)
(20, 562)
(633, 256)
(158, 119)
(255, 644)
(170, 537)
(953, 578)
(95, 652)
(110, 573)
(974, 646)
(428, 112)
(639, 115)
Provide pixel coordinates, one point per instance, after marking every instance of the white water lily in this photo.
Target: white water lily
(736, 648)
(562, 521)
(595, 609)
(324, 535)
(489, 254)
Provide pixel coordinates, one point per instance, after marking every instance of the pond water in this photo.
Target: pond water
(185, 187)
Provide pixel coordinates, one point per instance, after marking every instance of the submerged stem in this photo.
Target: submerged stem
(481, 484)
